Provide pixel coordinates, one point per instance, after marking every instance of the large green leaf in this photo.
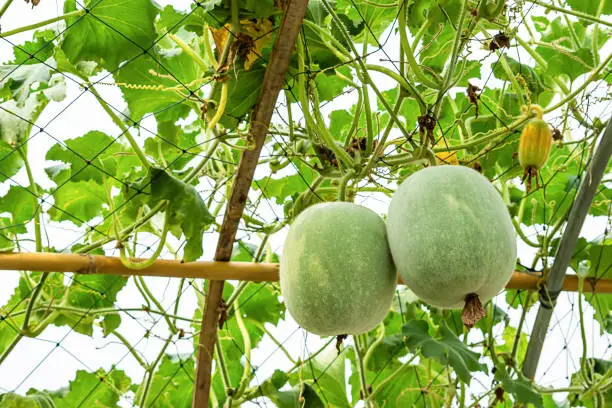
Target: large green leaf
(330, 85)
(37, 50)
(590, 6)
(111, 31)
(260, 303)
(160, 82)
(7, 230)
(377, 15)
(17, 119)
(242, 92)
(186, 208)
(10, 160)
(20, 79)
(171, 384)
(601, 201)
(172, 20)
(445, 347)
(21, 203)
(437, 53)
(34, 399)
(328, 370)
(10, 326)
(90, 292)
(522, 390)
(300, 396)
(600, 262)
(533, 79)
(566, 59)
(78, 202)
(340, 122)
(281, 189)
(93, 389)
(317, 45)
(94, 156)
(169, 146)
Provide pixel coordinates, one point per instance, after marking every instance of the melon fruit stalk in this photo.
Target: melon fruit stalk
(452, 239)
(534, 146)
(336, 272)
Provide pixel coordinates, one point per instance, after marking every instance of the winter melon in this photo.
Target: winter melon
(451, 238)
(336, 272)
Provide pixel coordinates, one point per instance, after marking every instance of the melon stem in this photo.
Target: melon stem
(537, 110)
(472, 311)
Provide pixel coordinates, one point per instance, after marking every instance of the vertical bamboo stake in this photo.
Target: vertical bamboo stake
(260, 121)
(578, 212)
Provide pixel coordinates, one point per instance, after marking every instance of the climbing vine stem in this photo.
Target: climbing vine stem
(453, 59)
(76, 13)
(160, 246)
(120, 123)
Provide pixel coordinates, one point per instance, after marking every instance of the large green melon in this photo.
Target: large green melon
(336, 272)
(451, 236)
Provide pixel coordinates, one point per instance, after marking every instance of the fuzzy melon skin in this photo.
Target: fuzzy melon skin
(336, 271)
(450, 235)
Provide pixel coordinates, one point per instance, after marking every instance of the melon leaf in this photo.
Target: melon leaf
(521, 389)
(446, 348)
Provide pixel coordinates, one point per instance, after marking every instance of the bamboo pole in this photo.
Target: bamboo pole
(214, 270)
(108, 265)
(259, 123)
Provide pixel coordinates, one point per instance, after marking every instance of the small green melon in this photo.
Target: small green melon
(336, 272)
(451, 237)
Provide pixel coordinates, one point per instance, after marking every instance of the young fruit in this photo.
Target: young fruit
(336, 272)
(451, 238)
(534, 148)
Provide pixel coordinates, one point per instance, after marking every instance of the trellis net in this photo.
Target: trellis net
(122, 125)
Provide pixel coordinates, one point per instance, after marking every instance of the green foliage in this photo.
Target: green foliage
(115, 182)
(242, 93)
(94, 156)
(10, 160)
(172, 383)
(328, 369)
(375, 15)
(576, 59)
(533, 80)
(32, 400)
(160, 82)
(444, 347)
(21, 203)
(110, 32)
(521, 389)
(302, 395)
(99, 387)
(186, 207)
(169, 144)
(89, 292)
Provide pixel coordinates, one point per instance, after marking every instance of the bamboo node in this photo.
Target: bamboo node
(91, 267)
